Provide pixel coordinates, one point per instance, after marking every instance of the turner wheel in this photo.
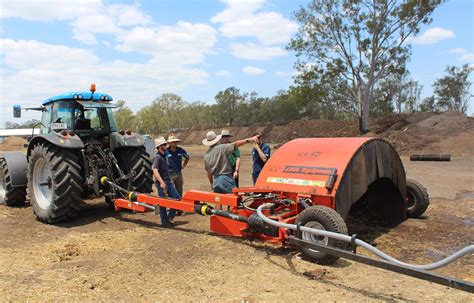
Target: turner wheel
(418, 199)
(324, 218)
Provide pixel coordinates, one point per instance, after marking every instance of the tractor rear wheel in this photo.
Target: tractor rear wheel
(418, 199)
(324, 218)
(54, 183)
(136, 159)
(9, 195)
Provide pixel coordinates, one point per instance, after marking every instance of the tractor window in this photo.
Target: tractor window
(111, 116)
(93, 115)
(46, 119)
(63, 113)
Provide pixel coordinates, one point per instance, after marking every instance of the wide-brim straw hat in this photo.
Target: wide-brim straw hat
(160, 141)
(226, 133)
(172, 138)
(211, 138)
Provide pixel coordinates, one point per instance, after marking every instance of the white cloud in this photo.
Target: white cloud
(87, 17)
(85, 28)
(252, 70)
(35, 55)
(48, 10)
(223, 73)
(128, 15)
(186, 43)
(282, 74)
(45, 70)
(256, 52)
(242, 19)
(433, 35)
(464, 55)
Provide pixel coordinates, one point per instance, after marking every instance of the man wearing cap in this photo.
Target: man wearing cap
(216, 161)
(260, 155)
(163, 182)
(234, 158)
(175, 156)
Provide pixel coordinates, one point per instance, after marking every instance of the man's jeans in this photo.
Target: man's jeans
(177, 179)
(223, 184)
(172, 193)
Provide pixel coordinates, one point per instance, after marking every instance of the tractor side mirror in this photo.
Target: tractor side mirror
(16, 111)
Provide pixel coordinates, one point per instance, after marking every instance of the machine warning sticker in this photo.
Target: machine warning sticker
(293, 181)
(307, 170)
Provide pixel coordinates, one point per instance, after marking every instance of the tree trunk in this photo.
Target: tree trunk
(364, 123)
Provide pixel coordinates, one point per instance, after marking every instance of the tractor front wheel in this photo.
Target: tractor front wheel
(323, 218)
(418, 199)
(54, 183)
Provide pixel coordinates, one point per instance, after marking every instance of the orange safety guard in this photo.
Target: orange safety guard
(303, 165)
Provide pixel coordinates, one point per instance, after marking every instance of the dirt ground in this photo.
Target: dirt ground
(105, 256)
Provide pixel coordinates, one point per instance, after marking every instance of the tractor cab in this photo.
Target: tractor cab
(89, 114)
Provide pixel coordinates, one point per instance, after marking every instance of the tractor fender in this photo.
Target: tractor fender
(118, 140)
(69, 142)
(18, 166)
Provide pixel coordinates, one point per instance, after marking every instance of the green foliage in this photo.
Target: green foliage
(428, 104)
(124, 116)
(452, 91)
(397, 91)
(348, 46)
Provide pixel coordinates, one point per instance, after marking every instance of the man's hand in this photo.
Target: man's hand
(255, 139)
(236, 174)
(163, 185)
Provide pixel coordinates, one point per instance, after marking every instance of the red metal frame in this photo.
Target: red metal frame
(218, 224)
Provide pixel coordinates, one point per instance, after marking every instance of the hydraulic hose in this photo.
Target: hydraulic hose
(441, 263)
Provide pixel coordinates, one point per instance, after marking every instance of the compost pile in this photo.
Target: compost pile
(448, 132)
(12, 144)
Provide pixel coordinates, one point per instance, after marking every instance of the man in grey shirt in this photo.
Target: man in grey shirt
(216, 161)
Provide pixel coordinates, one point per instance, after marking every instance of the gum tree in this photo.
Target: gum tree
(358, 42)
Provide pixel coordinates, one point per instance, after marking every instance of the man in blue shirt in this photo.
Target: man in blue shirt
(163, 182)
(260, 155)
(175, 156)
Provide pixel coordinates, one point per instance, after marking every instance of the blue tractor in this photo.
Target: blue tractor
(78, 144)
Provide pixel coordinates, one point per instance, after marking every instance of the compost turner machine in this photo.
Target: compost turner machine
(303, 196)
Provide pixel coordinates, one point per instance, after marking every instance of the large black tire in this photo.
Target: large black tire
(64, 183)
(9, 195)
(137, 159)
(325, 218)
(418, 199)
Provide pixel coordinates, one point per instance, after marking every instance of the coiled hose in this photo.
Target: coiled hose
(441, 263)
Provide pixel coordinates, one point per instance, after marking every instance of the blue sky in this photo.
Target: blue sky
(137, 50)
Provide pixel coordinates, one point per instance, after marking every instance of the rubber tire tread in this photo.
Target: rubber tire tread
(422, 199)
(136, 158)
(332, 221)
(14, 196)
(67, 181)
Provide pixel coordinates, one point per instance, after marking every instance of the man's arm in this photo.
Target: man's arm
(237, 167)
(209, 176)
(186, 157)
(157, 175)
(261, 154)
(186, 160)
(239, 143)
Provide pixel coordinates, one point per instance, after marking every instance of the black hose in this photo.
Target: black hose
(431, 157)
